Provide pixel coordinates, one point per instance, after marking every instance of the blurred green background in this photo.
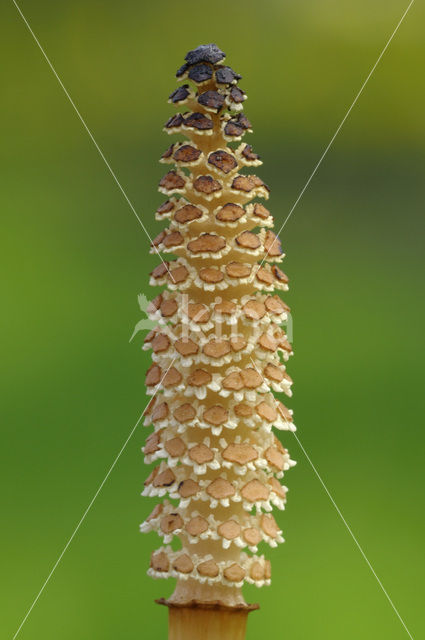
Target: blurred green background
(75, 259)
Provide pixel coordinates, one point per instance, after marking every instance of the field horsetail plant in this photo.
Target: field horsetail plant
(218, 351)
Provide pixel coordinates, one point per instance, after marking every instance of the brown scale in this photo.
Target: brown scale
(218, 307)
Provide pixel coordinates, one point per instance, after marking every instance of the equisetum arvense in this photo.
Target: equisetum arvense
(219, 351)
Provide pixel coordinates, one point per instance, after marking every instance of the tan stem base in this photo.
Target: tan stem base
(200, 621)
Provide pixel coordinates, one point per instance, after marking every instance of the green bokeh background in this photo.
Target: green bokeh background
(75, 259)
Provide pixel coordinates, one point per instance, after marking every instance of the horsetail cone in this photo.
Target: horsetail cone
(218, 351)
